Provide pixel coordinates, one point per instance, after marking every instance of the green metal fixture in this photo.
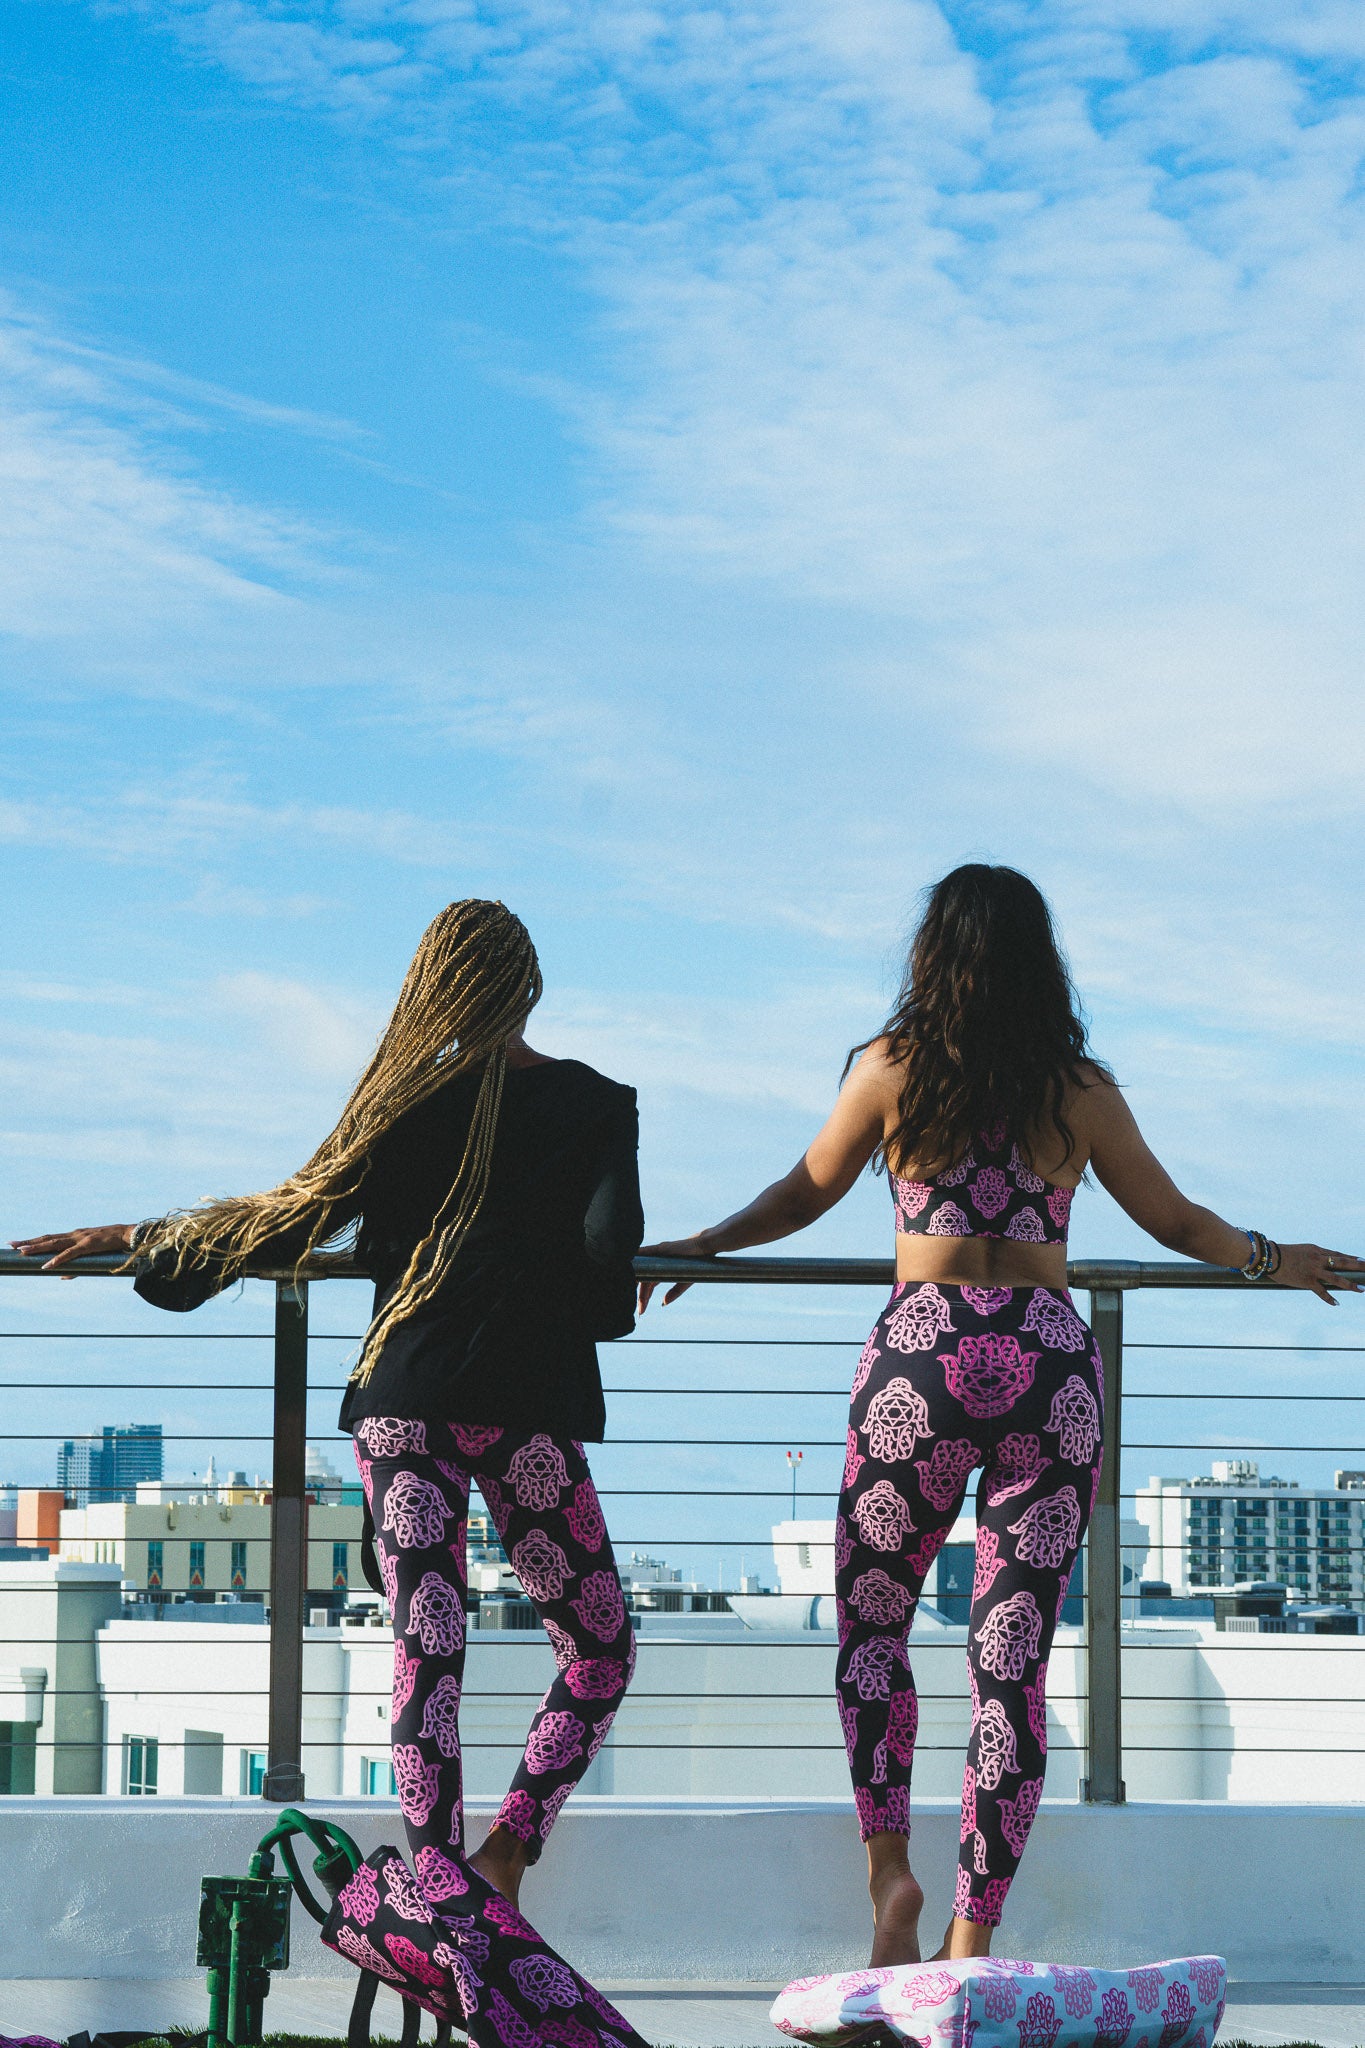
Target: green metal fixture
(244, 1922)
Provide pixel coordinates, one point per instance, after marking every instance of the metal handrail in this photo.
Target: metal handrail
(1086, 1274)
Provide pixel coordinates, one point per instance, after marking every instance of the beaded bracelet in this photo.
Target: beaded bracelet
(1265, 1256)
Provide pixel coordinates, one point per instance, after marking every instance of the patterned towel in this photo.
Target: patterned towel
(994, 2003)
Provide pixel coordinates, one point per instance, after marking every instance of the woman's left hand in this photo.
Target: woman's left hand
(676, 1248)
(60, 1247)
(1308, 1265)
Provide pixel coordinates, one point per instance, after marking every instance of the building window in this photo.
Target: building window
(196, 1564)
(377, 1779)
(239, 1565)
(956, 1572)
(156, 1567)
(139, 1764)
(18, 1756)
(253, 1771)
(339, 1566)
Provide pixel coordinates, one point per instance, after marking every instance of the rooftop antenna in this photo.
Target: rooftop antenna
(793, 1460)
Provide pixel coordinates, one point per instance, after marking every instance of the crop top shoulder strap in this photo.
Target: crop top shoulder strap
(987, 1194)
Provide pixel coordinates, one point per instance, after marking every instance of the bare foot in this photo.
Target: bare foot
(896, 1905)
(964, 1940)
(502, 1862)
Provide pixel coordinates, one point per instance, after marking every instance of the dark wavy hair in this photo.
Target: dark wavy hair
(986, 1025)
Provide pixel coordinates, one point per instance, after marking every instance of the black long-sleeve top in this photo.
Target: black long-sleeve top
(510, 1337)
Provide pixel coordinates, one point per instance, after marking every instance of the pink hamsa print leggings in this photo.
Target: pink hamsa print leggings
(952, 1379)
(538, 1489)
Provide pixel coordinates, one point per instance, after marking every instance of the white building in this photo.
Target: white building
(51, 1723)
(1236, 1525)
(723, 1705)
(804, 1553)
(210, 1546)
(724, 1709)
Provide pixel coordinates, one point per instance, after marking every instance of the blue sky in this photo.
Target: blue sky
(696, 472)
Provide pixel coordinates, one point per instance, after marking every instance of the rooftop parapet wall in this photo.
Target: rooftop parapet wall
(726, 1891)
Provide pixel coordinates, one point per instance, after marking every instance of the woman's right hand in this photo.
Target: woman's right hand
(60, 1247)
(675, 1248)
(1308, 1265)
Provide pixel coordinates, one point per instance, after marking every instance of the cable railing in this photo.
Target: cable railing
(1101, 1600)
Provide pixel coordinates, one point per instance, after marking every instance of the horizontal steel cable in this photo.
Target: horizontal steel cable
(334, 1388)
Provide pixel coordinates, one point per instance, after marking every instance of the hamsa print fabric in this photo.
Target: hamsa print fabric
(1003, 1385)
(994, 2003)
(469, 1957)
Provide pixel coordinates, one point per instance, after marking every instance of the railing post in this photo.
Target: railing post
(288, 1545)
(1104, 1571)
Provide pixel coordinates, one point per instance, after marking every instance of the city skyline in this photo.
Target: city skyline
(110, 1465)
(1176, 1553)
(692, 1530)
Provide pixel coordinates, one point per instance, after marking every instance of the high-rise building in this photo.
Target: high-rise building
(107, 1467)
(1237, 1525)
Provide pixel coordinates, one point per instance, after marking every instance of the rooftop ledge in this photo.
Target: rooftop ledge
(719, 1891)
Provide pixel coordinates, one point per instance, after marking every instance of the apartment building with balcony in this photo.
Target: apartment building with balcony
(1238, 1525)
(211, 1548)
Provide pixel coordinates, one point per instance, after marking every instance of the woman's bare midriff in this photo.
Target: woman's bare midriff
(980, 1261)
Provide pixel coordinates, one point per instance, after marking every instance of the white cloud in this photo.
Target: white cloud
(1293, 976)
(215, 897)
(100, 525)
(1051, 353)
(317, 1034)
(717, 1048)
(1039, 366)
(347, 69)
(211, 1087)
(163, 826)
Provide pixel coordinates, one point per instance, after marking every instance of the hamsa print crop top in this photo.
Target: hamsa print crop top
(984, 1195)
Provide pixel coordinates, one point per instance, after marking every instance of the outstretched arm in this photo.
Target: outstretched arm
(155, 1279)
(60, 1247)
(1125, 1164)
(821, 1178)
(181, 1292)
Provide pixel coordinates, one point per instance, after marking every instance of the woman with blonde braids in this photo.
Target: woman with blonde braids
(492, 1193)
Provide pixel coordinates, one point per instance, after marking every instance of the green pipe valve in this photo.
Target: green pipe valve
(244, 1922)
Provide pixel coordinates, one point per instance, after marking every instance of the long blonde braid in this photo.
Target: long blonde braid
(473, 981)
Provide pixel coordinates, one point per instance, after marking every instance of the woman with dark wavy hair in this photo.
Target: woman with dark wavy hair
(985, 1107)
